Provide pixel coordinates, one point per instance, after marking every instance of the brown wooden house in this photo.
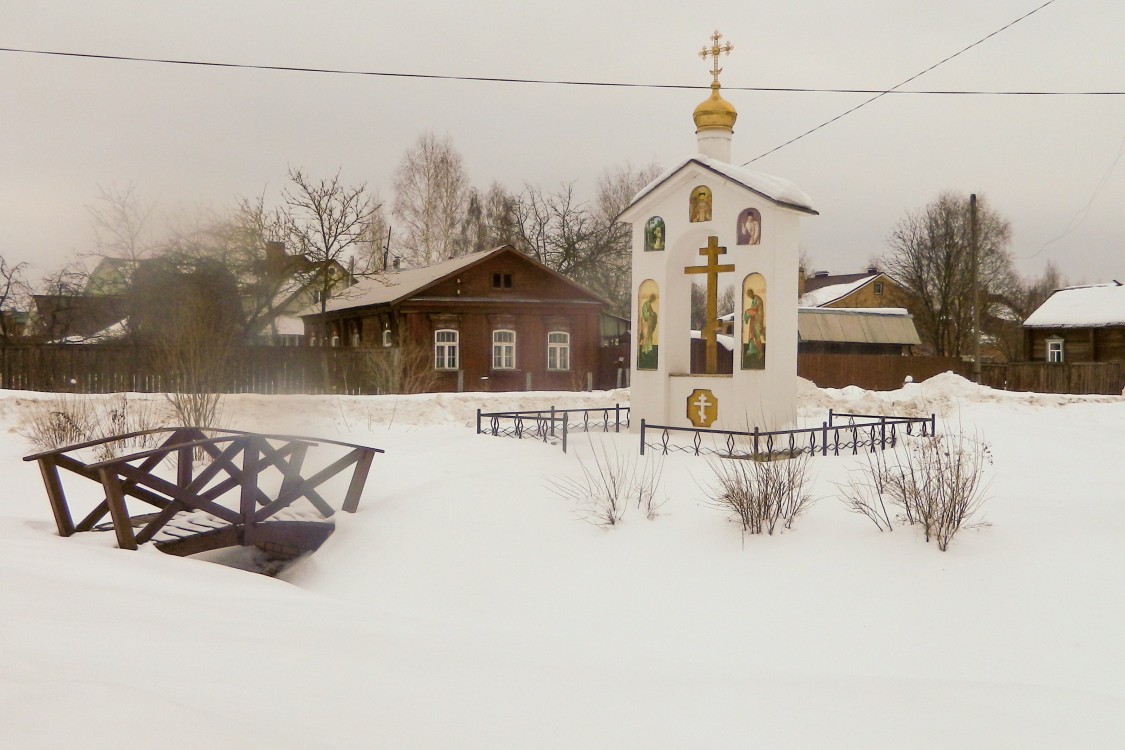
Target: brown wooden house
(494, 320)
(872, 288)
(1078, 324)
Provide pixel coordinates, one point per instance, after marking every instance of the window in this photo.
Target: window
(387, 340)
(445, 349)
(1055, 350)
(878, 288)
(502, 281)
(503, 350)
(558, 350)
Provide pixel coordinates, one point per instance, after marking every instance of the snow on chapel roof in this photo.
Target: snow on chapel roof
(1081, 306)
(776, 189)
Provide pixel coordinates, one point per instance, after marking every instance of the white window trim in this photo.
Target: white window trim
(447, 353)
(388, 340)
(560, 350)
(503, 352)
(1056, 345)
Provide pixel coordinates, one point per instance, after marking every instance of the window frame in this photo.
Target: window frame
(388, 339)
(1056, 345)
(559, 351)
(503, 352)
(447, 353)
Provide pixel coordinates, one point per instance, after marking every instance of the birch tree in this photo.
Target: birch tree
(431, 193)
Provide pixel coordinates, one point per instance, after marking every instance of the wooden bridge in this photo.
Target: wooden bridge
(235, 499)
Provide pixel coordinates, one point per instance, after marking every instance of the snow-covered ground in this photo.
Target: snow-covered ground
(467, 606)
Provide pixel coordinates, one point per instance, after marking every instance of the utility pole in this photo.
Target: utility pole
(976, 285)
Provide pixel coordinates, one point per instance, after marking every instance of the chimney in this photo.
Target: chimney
(872, 270)
(275, 258)
(820, 275)
(800, 282)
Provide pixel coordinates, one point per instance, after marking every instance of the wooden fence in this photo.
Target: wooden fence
(87, 368)
(1106, 378)
(876, 372)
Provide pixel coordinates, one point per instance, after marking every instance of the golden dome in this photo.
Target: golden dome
(715, 112)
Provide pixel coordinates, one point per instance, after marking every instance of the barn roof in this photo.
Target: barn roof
(882, 325)
(1093, 306)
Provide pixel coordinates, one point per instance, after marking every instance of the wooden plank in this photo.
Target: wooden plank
(359, 479)
(122, 525)
(56, 496)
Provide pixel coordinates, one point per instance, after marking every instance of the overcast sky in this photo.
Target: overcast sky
(190, 136)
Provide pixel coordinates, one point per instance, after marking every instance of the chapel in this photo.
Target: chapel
(735, 232)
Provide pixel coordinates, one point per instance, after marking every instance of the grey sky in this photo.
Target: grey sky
(189, 137)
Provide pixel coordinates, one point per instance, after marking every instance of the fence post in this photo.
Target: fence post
(882, 433)
(553, 425)
(933, 425)
(829, 417)
(564, 434)
(617, 417)
(824, 440)
(755, 441)
(478, 420)
(642, 437)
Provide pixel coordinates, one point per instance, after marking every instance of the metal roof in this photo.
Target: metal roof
(858, 325)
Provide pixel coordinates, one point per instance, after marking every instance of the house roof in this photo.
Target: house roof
(823, 279)
(825, 295)
(776, 189)
(854, 325)
(390, 288)
(1092, 306)
(882, 325)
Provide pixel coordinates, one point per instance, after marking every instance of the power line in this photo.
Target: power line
(545, 81)
(881, 94)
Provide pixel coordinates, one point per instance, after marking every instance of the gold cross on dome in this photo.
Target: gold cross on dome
(713, 52)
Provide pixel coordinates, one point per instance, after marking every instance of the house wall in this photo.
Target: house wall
(893, 296)
(536, 302)
(1080, 344)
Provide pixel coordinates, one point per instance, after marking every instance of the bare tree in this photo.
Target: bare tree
(325, 220)
(930, 256)
(121, 221)
(431, 194)
(14, 299)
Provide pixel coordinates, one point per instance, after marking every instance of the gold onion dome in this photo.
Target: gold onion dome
(715, 112)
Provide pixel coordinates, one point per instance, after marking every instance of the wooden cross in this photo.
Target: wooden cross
(711, 324)
(713, 52)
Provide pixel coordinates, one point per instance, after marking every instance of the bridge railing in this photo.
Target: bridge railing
(237, 462)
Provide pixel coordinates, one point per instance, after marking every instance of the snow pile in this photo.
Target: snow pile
(467, 606)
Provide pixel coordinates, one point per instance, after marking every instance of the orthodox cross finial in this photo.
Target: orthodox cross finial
(713, 52)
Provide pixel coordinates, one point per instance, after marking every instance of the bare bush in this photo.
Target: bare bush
(939, 483)
(407, 368)
(66, 419)
(762, 494)
(614, 482)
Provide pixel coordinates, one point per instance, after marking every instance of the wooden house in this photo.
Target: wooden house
(494, 320)
(869, 289)
(1078, 324)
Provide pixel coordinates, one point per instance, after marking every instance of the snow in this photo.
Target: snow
(832, 292)
(1095, 305)
(777, 189)
(467, 606)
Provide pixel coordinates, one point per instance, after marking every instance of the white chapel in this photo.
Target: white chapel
(707, 221)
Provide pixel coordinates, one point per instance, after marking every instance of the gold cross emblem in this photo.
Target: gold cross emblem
(713, 52)
(711, 324)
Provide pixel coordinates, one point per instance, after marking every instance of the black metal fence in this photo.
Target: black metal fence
(552, 424)
(868, 432)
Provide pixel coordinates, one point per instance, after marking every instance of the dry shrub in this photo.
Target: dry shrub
(762, 494)
(67, 419)
(939, 483)
(408, 368)
(606, 489)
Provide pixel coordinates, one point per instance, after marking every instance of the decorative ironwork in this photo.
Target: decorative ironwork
(553, 425)
(867, 432)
